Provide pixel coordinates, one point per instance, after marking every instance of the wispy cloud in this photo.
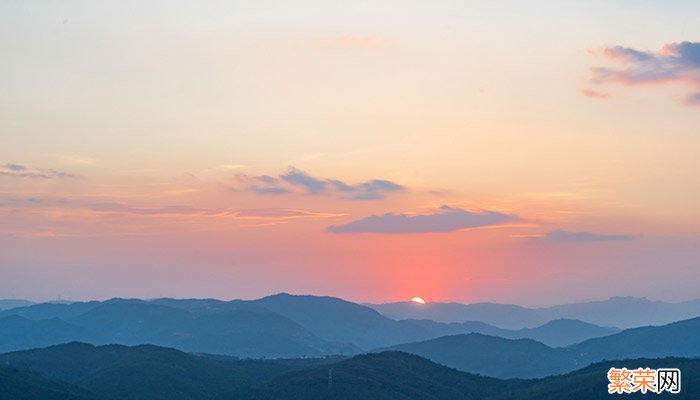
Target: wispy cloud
(276, 214)
(582, 237)
(23, 171)
(282, 214)
(159, 211)
(300, 182)
(445, 219)
(673, 63)
(54, 217)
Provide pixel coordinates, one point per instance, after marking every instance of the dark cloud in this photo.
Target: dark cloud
(21, 171)
(446, 219)
(674, 63)
(298, 181)
(582, 237)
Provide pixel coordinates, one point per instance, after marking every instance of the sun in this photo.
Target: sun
(418, 300)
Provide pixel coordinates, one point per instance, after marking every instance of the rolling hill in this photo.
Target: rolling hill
(492, 356)
(396, 375)
(18, 384)
(79, 371)
(143, 372)
(17, 332)
(590, 383)
(556, 333)
(525, 358)
(680, 339)
(382, 376)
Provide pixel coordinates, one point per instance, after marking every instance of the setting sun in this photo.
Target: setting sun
(418, 300)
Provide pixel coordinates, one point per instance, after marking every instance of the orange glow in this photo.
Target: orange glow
(418, 300)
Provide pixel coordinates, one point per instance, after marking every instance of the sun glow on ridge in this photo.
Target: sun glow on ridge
(418, 300)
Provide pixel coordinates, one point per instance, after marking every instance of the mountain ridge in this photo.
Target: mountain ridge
(617, 311)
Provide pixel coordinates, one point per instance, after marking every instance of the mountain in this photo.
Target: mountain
(63, 311)
(383, 376)
(230, 330)
(6, 304)
(621, 312)
(563, 332)
(17, 332)
(78, 371)
(131, 321)
(626, 312)
(506, 316)
(304, 325)
(681, 339)
(590, 383)
(23, 385)
(338, 320)
(525, 358)
(282, 325)
(556, 333)
(492, 356)
(143, 372)
(248, 333)
(396, 375)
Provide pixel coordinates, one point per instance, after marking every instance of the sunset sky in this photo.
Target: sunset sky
(533, 152)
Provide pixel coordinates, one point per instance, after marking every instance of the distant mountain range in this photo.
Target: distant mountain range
(526, 358)
(621, 312)
(282, 325)
(78, 371)
(222, 328)
(6, 304)
(556, 333)
(492, 356)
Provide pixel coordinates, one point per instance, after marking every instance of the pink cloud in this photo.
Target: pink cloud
(674, 63)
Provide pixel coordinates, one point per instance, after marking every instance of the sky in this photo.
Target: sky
(530, 152)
